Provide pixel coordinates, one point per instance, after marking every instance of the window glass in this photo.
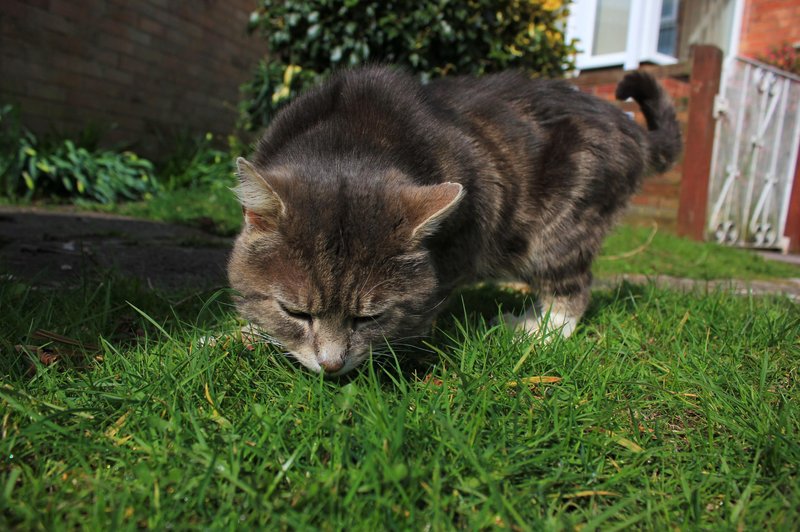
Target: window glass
(611, 26)
(668, 28)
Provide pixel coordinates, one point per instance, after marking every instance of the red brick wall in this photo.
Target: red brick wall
(658, 198)
(149, 67)
(767, 24)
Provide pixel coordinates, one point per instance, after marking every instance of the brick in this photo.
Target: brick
(105, 57)
(171, 21)
(139, 37)
(176, 38)
(133, 65)
(68, 80)
(45, 91)
(30, 105)
(669, 203)
(149, 55)
(121, 14)
(661, 190)
(43, 20)
(116, 43)
(12, 67)
(150, 26)
(69, 10)
(117, 76)
(644, 199)
(78, 64)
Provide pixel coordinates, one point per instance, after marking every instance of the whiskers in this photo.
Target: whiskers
(401, 345)
(437, 304)
(250, 332)
(427, 313)
(380, 354)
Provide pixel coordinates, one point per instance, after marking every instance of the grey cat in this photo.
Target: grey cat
(371, 197)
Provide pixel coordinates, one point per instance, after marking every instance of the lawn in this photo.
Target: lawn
(654, 251)
(663, 410)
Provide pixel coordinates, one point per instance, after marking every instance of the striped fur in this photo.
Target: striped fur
(392, 194)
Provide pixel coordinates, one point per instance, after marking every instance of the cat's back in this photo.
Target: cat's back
(356, 111)
(513, 96)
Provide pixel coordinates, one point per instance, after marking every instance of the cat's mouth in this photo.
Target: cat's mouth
(327, 369)
(332, 362)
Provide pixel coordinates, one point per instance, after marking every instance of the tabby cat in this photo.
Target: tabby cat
(371, 197)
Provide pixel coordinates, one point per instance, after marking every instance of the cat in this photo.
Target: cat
(371, 197)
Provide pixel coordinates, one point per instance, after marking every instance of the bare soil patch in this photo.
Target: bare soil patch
(60, 248)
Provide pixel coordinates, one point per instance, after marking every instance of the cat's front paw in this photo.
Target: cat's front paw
(546, 327)
(528, 323)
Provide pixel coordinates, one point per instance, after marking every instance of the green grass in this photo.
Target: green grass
(630, 249)
(673, 410)
(214, 210)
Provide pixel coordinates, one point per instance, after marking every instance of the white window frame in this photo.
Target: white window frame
(641, 44)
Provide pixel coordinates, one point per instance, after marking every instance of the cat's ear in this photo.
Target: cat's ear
(427, 206)
(261, 205)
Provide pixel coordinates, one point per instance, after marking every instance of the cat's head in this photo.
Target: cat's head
(333, 266)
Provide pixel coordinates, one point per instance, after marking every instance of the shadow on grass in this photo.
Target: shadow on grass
(67, 324)
(123, 311)
(483, 303)
(472, 309)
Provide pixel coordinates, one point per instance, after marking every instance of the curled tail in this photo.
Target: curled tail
(664, 131)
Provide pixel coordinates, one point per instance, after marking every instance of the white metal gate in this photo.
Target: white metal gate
(755, 151)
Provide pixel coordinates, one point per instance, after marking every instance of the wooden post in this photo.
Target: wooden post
(792, 230)
(699, 143)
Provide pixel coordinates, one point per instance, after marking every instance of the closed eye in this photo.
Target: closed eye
(296, 314)
(363, 321)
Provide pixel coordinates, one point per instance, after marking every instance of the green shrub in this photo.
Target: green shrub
(30, 168)
(308, 39)
(195, 163)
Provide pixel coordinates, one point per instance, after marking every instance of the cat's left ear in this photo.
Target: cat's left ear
(261, 205)
(428, 206)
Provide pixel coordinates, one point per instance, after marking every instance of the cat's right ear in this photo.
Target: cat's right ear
(261, 205)
(427, 206)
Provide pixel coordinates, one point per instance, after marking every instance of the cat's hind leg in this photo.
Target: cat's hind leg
(559, 307)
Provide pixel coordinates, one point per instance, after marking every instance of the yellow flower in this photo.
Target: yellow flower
(289, 73)
(282, 93)
(553, 36)
(549, 5)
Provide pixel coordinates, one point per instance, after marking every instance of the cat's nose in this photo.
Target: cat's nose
(332, 365)
(330, 355)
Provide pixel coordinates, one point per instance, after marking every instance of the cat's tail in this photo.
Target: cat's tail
(664, 130)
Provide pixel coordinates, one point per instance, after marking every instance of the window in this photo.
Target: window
(624, 32)
(668, 29)
(612, 18)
